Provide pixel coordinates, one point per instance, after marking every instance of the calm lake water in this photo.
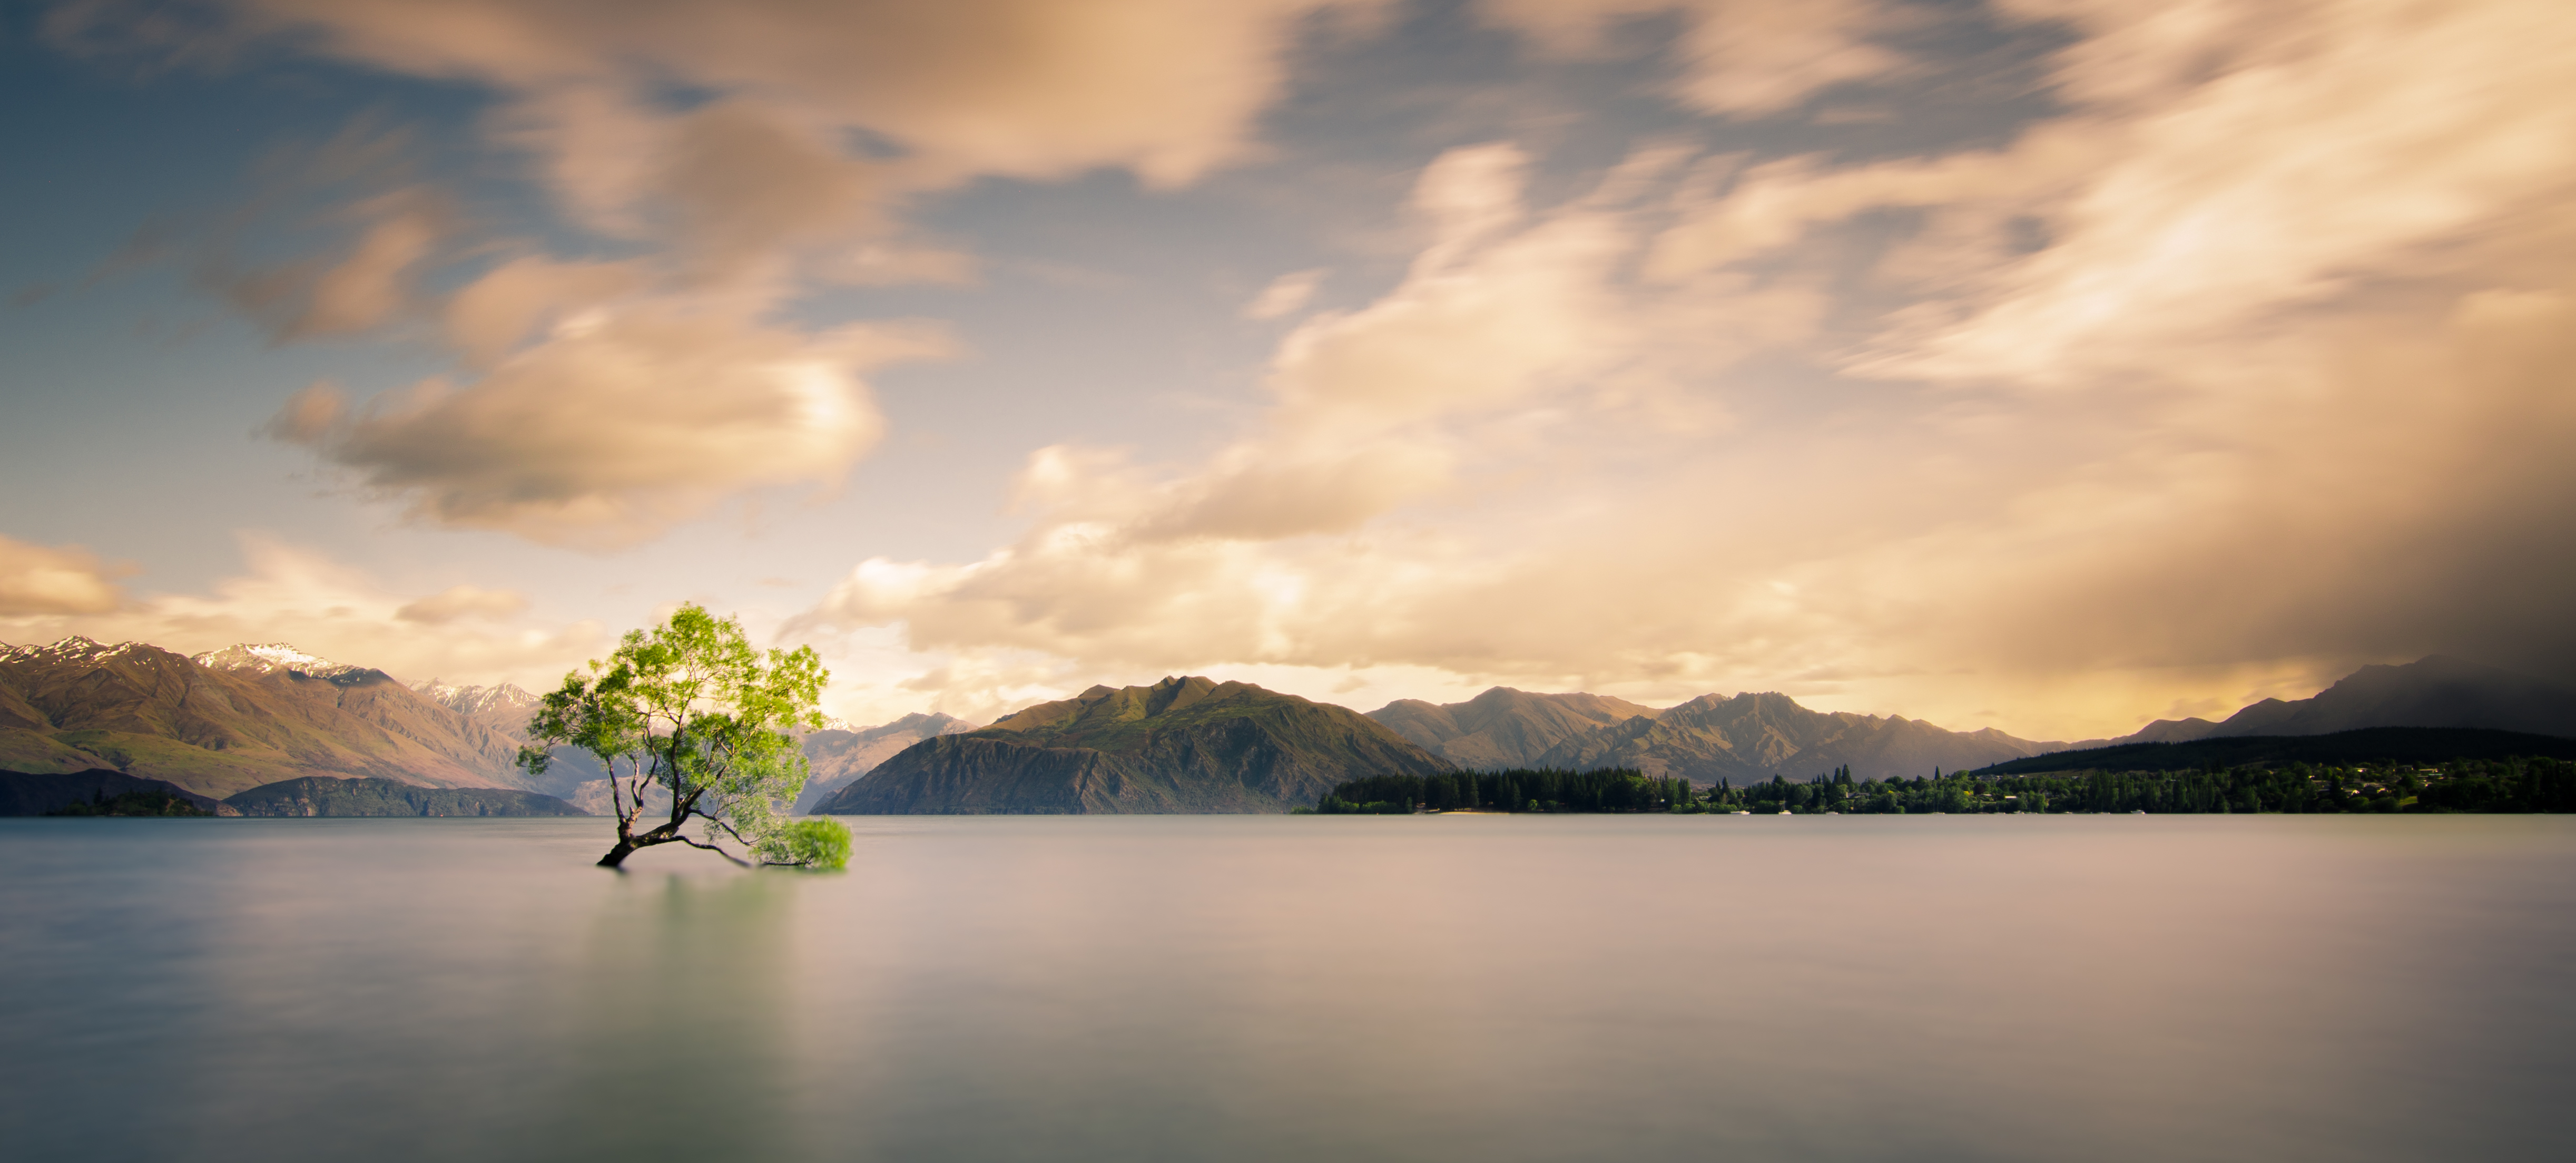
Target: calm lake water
(1297, 988)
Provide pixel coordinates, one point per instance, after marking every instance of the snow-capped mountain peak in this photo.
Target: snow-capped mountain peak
(270, 658)
(74, 648)
(474, 700)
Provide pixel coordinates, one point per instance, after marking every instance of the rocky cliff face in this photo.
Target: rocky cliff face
(1180, 745)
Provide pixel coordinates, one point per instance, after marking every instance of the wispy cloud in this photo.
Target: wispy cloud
(1286, 295)
(2232, 355)
(2239, 372)
(1738, 57)
(597, 401)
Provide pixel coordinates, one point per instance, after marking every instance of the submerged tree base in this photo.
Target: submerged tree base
(812, 844)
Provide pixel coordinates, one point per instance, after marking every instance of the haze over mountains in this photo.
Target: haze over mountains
(2434, 691)
(1754, 736)
(839, 755)
(251, 715)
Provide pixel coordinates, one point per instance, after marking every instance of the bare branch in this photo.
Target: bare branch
(729, 829)
(712, 848)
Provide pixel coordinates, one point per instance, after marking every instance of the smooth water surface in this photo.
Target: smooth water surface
(1297, 988)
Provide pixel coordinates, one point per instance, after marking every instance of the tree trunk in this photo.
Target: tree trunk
(616, 857)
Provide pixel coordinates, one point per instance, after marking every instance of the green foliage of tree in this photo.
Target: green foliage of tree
(808, 843)
(691, 707)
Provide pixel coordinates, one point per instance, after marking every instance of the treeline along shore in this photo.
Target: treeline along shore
(108, 793)
(2512, 784)
(1516, 790)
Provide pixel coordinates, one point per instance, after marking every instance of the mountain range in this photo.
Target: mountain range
(234, 719)
(1181, 745)
(1504, 727)
(1755, 736)
(1740, 738)
(225, 721)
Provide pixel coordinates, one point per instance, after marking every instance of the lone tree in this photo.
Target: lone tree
(692, 708)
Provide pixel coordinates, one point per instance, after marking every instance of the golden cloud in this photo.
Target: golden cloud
(620, 422)
(463, 601)
(1029, 88)
(36, 579)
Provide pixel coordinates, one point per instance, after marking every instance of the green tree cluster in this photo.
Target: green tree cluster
(692, 708)
(2473, 785)
(2512, 785)
(132, 803)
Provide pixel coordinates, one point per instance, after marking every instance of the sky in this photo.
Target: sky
(2044, 365)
